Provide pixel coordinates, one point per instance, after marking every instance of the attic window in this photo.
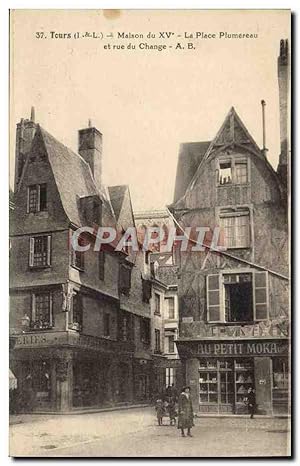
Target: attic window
(225, 173)
(36, 198)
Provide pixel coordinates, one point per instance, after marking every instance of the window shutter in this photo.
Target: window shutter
(213, 287)
(261, 295)
(31, 252)
(33, 307)
(49, 250)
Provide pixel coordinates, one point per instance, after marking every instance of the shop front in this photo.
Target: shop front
(61, 371)
(220, 374)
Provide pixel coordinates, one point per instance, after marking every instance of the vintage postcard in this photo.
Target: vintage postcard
(149, 233)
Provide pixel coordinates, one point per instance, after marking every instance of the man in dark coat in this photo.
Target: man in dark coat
(251, 402)
(185, 411)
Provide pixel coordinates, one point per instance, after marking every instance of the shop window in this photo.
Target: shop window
(101, 265)
(145, 330)
(235, 226)
(40, 251)
(170, 308)
(36, 198)
(280, 374)
(157, 304)
(237, 297)
(41, 316)
(106, 324)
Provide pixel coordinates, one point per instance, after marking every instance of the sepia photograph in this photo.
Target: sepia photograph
(149, 233)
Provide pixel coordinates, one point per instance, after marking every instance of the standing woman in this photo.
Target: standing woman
(185, 411)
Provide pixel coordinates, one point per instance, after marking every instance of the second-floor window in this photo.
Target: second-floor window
(157, 304)
(170, 308)
(235, 228)
(157, 340)
(237, 297)
(41, 315)
(37, 198)
(40, 251)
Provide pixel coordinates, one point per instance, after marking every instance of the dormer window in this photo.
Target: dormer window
(36, 198)
(225, 173)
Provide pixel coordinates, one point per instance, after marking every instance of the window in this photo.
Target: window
(157, 304)
(237, 297)
(241, 176)
(106, 325)
(41, 316)
(37, 198)
(225, 173)
(145, 330)
(77, 312)
(171, 344)
(40, 251)
(235, 226)
(125, 327)
(170, 376)
(157, 340)
(146, 290)
(101, 265)
(232, 171)
(124, 279)
(77, 257)
(170, 308)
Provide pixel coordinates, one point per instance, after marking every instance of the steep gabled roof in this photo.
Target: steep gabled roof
(233, 131)
(190, 156)
(74, 179)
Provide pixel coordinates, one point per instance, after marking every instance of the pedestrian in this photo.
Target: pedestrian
(251, 402)
(172, 412)
(160, 411)
(185, 411)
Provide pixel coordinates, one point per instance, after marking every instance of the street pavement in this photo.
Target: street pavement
(135, 433)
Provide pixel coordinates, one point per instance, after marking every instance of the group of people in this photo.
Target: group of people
(172, 405)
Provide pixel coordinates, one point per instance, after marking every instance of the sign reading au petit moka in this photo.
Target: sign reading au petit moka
(248, 348)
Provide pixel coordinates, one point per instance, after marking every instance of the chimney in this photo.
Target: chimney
(283, 83)
(263, 107)
(24, 137)
(90, 149)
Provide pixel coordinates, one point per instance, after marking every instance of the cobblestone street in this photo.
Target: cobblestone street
(135, 433)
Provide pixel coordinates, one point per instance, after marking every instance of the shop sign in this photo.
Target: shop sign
(248, 348)
(41, 339)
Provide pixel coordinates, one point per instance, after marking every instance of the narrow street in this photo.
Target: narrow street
(135, 433)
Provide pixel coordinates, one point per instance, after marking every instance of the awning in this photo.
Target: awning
(13, 383)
